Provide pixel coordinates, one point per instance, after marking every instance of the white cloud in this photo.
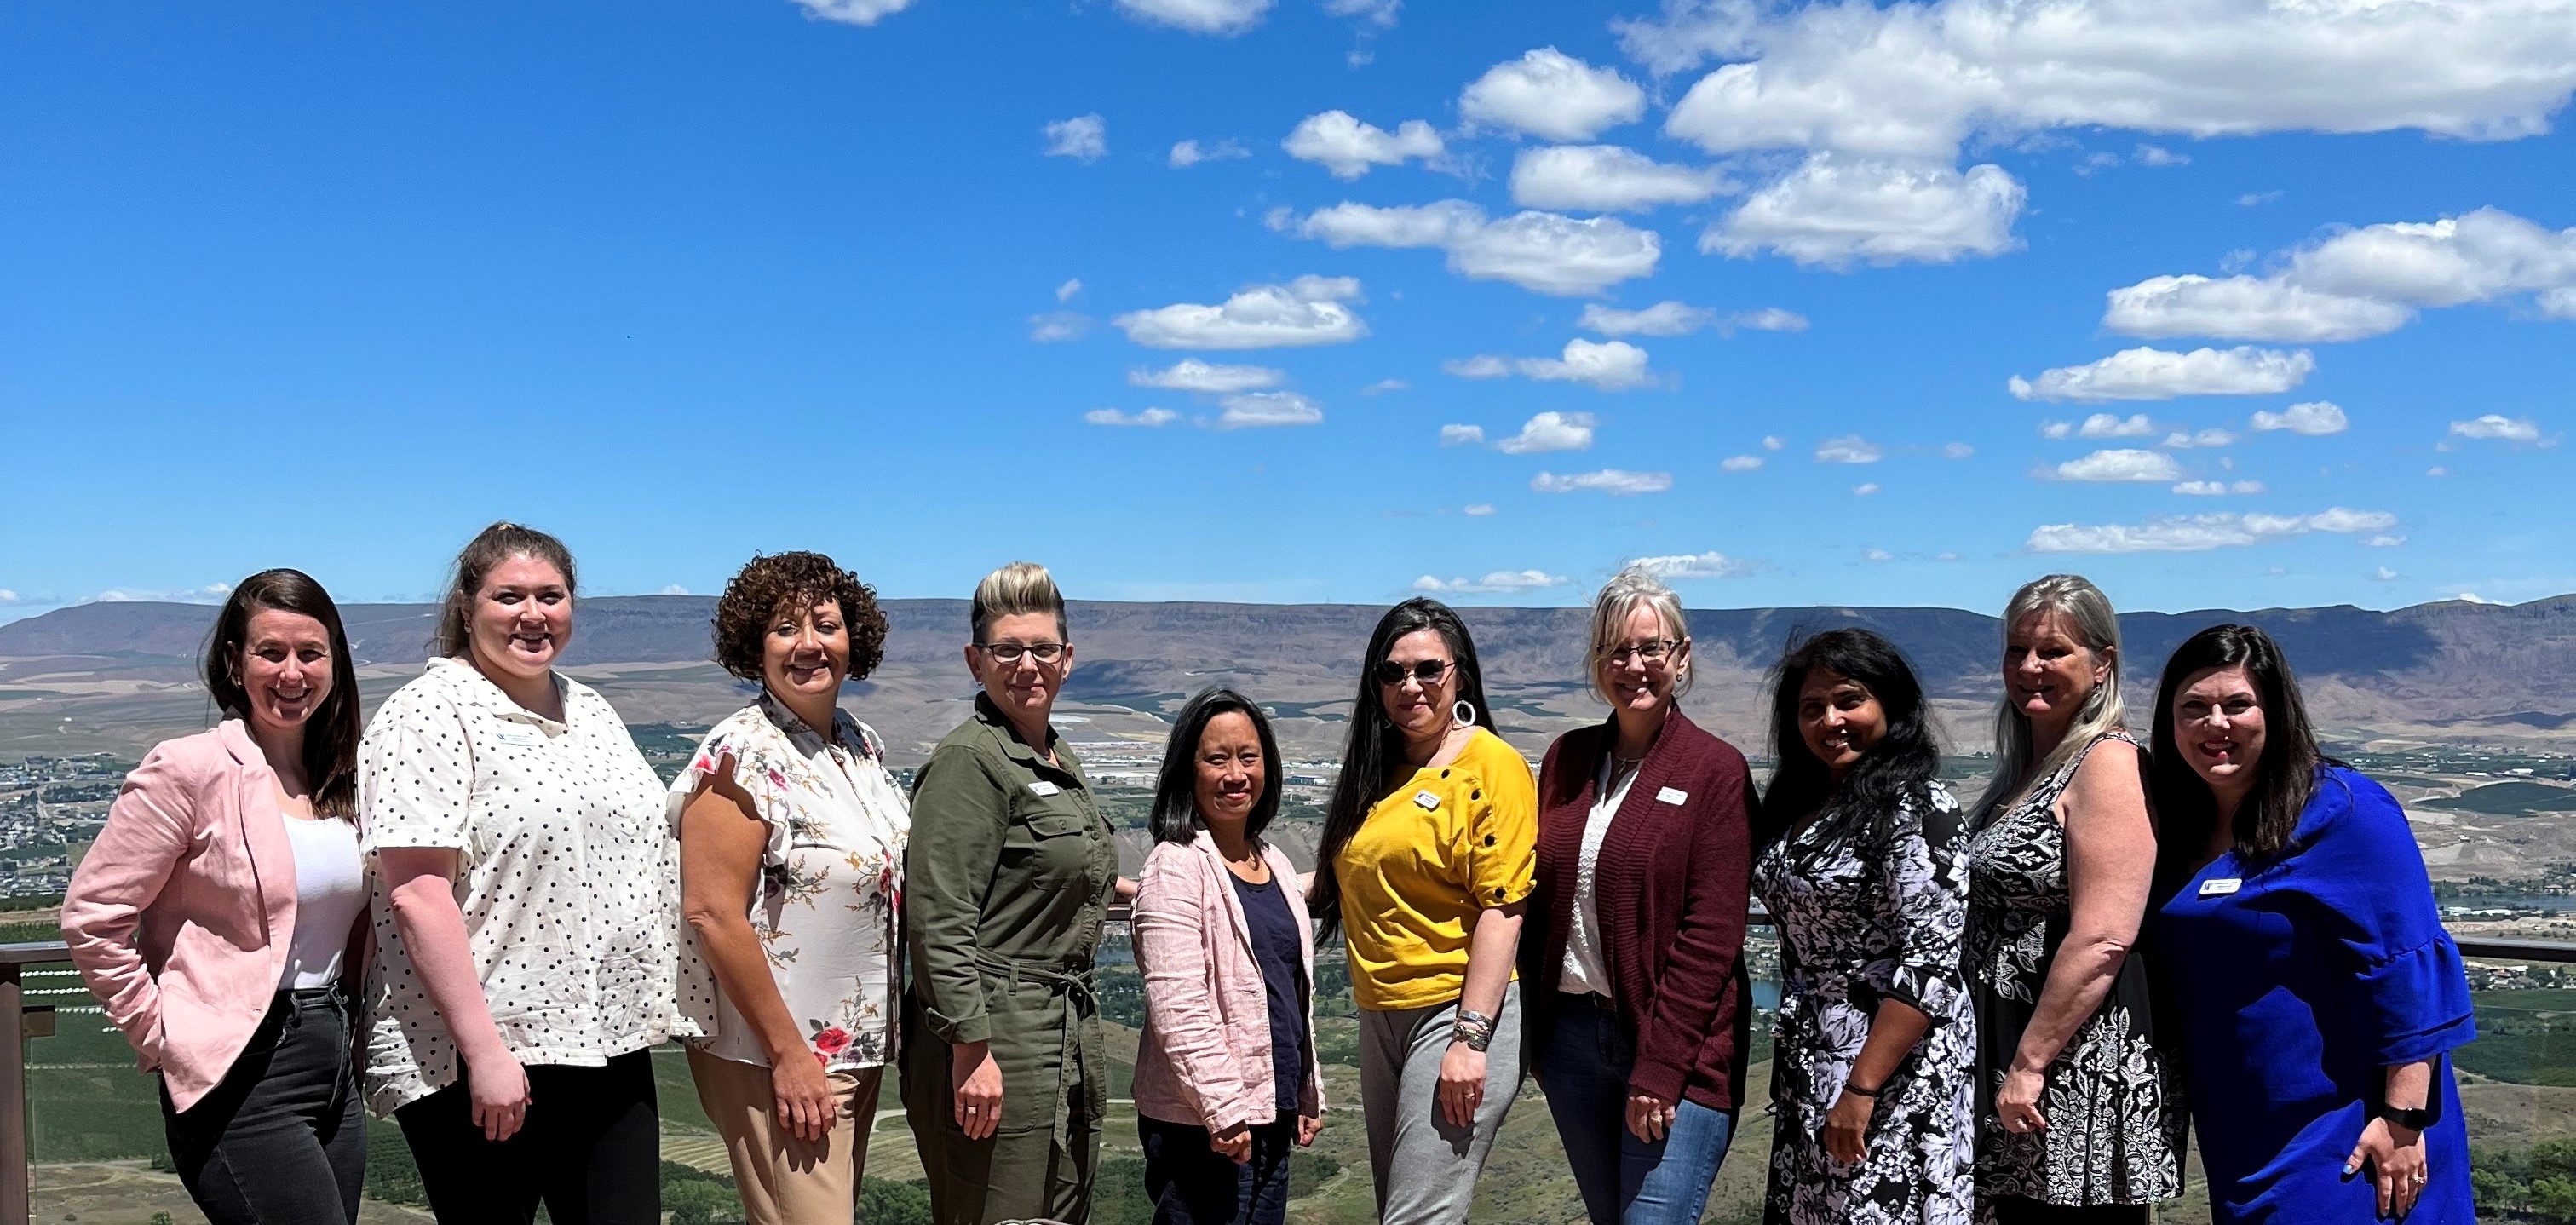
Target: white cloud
(1876, 555)
(1679, 566)
(1189, 153)
(853, 12)
(1220, 17)
(1550, 432)
(1552, 95)
(2107, 425)
(1740, 463)
(1606, 178)
(2384, 542)
(1148, 418)
(1191, 374)
(1610, 365)
(2344, 521)
(1616, 482)
(2497, 426)
(2157, 155)
(2245, 487)
(1766, 319)
(1957, 450)
(1848, 449)
(2471, 597)
(2245, 308)
(2255, 199)
(1085, 138)
(1065, 292)
(1310, 310)
(1056, 326)
(1375, 12)
(2120, 465)
(1264, 408)
(2386, 575)
(7, 596)
(2314, 418)
(2181, 440)
(1499, 580)
(2197, 533)
(1773, 442)
(1481, 366)
(2437, 471)
(2202, 489)
(1462, 435)
(1864, 489)
(1340, 143)
(1477, 509)
(1670, 318)
(2159, 374)
(1383, 386)
(1836, 210)
(1546, 253)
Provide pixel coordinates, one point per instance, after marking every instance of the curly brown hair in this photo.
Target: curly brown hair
(768, 584)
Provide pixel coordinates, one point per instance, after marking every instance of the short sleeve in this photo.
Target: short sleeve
(756, 771)
(416, 774)
(1502, 830)
(1926, 868)
(2408, 992)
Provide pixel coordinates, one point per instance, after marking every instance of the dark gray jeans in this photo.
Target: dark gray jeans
(283, 1139)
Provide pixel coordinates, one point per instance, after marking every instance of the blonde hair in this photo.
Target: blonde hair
(1627, 591)
(1016, 589)
(2088, 613)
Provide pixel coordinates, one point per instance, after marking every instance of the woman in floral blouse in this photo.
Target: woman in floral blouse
(791, 866)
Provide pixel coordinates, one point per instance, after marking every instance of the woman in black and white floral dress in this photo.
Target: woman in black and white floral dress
(2078, 1118)
(1861, 865)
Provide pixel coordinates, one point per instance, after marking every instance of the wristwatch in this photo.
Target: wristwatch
(2417, 1119)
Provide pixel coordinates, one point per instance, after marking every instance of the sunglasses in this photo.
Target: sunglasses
(1428, 672)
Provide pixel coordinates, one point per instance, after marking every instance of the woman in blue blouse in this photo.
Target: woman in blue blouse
(2316, 991)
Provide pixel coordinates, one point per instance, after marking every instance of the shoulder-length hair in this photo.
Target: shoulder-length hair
(1897, 770)
(2091, 622)
(1627, 591)
(1375, 750)
(474, 563)
(1176, 808)
(331, 731)
(2285, 776)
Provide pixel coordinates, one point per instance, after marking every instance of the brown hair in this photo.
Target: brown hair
(1018, 588)
(794, 580)
(2285, 776)
(489, 548)
(331, 732)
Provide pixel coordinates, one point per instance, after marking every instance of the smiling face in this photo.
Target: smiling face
(806, 653)
(2048, 671)
(2218, 728)
(1839, 719)
(1418, 709)
(1229, 770)
(1639, 685)
(285, 668)
(522, 618)
(1024, 688)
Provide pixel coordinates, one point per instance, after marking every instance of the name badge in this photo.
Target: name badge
(1427, 801)
(2221, 886)
(1672, 795)
(517, 738)
(1043, 789)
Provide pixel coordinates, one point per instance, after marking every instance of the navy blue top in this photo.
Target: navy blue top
(2296, 986)
(1282, 958)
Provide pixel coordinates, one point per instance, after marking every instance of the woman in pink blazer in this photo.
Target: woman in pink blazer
(220, 917)
(1225, 1072)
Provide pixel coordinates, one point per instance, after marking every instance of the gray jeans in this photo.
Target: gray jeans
(1426, 1167)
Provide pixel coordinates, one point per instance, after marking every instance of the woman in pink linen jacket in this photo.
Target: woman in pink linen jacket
(220, 915)
(1226, 1076)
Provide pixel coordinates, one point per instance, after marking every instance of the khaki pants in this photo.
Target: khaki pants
(785, 1180)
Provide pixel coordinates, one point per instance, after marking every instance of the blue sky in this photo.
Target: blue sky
(332, 285)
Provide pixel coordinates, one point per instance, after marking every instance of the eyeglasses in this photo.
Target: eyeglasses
(1010, 652)
(1652, 652)
(1427, 671)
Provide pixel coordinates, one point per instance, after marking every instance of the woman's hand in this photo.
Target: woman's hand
(978, 1109)
(2017, 1102)
(803, 1097)
(1462, 1084)
(1847, 1127)
(2396, 1158)
(498, 1088)
(1309, 1126)
(1234, 1143)
(1650, 1118)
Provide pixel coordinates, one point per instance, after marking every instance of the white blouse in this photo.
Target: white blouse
(569, 878)
(1583, 971)
(830, 889)
(330, 894)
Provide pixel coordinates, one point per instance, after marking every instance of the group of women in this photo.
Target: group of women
(480, 910)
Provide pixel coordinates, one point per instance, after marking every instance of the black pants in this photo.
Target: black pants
(2014, 1210)
(1191, 1185)
(282, 1140)
(590, 1150)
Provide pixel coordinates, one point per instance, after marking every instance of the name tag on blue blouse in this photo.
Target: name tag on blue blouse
(2221, 886)
(1043, 789)
(1428, 801)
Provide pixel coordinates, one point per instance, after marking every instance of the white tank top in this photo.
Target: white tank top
(330, 890)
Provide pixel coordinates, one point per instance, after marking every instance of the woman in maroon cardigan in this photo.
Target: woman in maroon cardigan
(1637, 1004)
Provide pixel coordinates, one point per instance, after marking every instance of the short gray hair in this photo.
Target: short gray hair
(1627, 591)
(1019, 588)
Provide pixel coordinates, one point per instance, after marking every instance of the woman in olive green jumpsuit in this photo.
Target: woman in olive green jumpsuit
(1008, 881)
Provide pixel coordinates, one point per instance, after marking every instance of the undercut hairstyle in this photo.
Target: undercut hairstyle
(1627, 591)
(2090, 621)
(1896, 771)
(1176, 808)
(489, 548)
(1373, 756)
(331, 731)
(2285, 776)
(1018, 589)
(791, 583)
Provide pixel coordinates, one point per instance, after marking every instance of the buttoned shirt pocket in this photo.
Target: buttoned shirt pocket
(1047, 841)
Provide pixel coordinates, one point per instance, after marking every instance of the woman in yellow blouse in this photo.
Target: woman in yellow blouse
(1429, 848)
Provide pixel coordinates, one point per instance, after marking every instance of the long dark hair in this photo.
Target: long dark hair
(330, 732)
(1176, 809)
(2285, 776)
(490, 547)
(1376, 749)
(1897, 770)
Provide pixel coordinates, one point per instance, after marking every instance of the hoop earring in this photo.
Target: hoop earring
(1463, 713)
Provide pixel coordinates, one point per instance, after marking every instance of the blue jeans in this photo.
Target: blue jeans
(1624, 1180)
